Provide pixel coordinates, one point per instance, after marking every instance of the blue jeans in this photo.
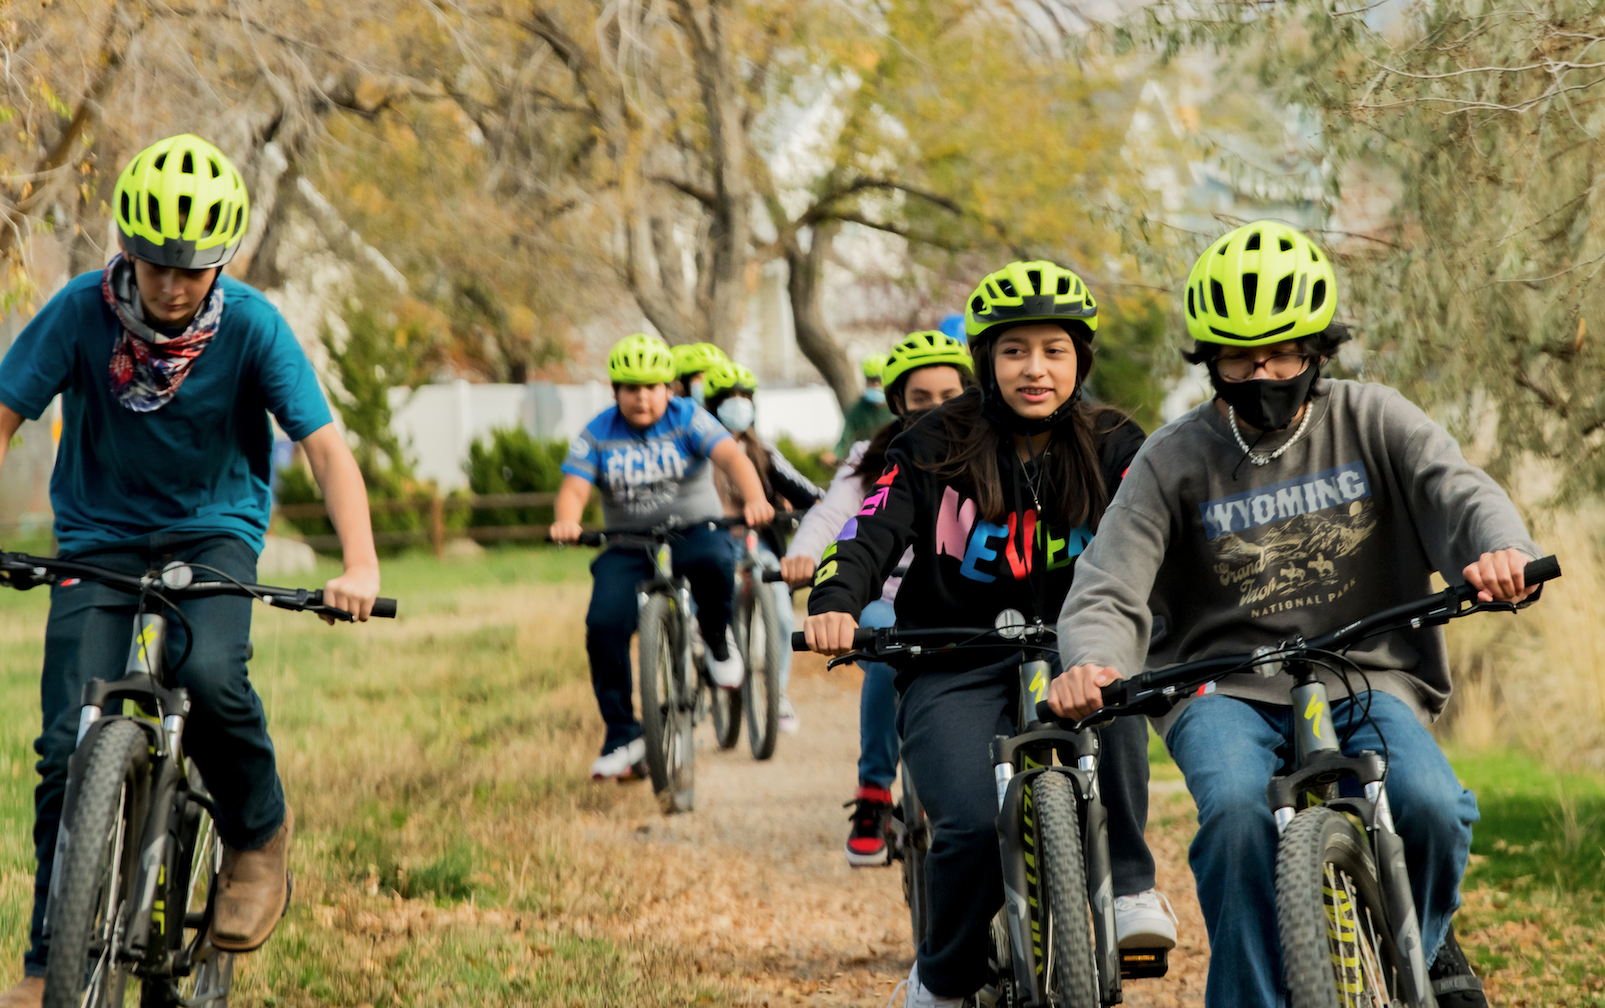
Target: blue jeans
(87, 637)
(706, 557)
(877, 709)
(1228, 749)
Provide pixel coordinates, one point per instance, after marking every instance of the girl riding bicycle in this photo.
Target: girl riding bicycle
(997, 492)
(728, 388)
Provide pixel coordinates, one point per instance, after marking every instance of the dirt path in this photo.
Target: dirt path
(753, 885)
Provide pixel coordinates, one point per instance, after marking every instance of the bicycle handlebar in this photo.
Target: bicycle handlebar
(51, 570)
(1162, 685)
(657, 533)
(938, 638)
(1434, 610)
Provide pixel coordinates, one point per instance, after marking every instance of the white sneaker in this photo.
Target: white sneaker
(919, 997)
(1145, 920)
(730, 672)
(618, 762)
(789, 721)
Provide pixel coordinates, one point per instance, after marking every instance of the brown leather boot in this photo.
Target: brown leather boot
(28, 993)
(253, 891)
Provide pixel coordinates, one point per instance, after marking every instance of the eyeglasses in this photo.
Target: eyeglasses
(1277, 366)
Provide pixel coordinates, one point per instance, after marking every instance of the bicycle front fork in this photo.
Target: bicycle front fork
(1318, 768)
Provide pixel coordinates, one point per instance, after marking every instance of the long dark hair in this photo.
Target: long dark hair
(1073, 474)
(873, 463)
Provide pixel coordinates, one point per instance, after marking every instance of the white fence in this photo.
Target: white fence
(438, 422)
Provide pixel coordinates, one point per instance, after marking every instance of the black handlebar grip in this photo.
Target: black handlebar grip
(772, 576)
(863, 637)
(590, 538)
(1541, 570)
(384, 608)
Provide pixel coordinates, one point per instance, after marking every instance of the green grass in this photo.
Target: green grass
(436, 766)
(1539, 829)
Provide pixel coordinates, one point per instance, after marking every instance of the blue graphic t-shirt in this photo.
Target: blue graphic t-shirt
(649, 476)
(201, 462)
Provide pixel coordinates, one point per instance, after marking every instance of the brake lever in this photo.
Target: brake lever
(844, 659)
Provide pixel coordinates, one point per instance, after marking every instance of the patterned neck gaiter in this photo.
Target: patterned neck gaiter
(147, 367)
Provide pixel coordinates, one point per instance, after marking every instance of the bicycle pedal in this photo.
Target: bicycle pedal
(637, 771)
(1143, 964)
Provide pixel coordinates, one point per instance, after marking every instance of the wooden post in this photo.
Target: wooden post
(437, 524)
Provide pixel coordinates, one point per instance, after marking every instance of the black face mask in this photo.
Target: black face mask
(1267, 404)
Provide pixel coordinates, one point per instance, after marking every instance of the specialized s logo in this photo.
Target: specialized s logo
(1281, 546)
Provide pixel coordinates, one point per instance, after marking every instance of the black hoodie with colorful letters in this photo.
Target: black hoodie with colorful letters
(966, 569)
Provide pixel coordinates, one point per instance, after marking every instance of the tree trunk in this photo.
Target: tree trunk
(84, 117)
(730, 235)
(805, 283)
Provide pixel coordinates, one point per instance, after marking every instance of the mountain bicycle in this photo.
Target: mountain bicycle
(1348, 926)
(1054, 940)
(137, 858)
(676, 689)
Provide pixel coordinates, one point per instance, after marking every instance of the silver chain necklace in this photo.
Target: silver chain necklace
(1261, 460)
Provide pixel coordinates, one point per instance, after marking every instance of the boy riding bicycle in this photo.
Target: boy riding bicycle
(167, 371)
(1237, 534)
(649, 456)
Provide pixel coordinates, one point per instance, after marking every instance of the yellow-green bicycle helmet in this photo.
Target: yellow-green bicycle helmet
(180, 203)
(1036, 291)
(724, 377)
(691, 358)
(1262, 283)
(640, 359)
(923, 349)
(873, 365)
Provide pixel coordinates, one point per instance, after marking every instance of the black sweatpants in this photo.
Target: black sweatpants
(947, 721)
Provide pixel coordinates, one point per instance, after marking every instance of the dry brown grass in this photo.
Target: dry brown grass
(1537, 681)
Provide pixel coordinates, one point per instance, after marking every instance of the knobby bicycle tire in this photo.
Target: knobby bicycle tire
(759, 638)
(1072, 974)
(96, 873)
(1331, 914)
(725, 704)
(665, 720)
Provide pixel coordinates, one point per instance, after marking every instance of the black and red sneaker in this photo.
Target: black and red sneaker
(870, 842)
(1453, 982)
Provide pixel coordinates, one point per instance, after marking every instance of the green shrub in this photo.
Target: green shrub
(514, 462)
(807, 462)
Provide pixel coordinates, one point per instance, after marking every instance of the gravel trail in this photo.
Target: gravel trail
(753, 887)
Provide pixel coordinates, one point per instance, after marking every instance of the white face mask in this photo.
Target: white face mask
(737, 413)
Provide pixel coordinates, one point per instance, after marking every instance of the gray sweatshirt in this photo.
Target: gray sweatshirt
(1226, 556)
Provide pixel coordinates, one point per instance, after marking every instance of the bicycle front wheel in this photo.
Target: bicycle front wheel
(1336, 950)
(667, 704)
(1072, 971)
(96, 879)
(758, 634)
